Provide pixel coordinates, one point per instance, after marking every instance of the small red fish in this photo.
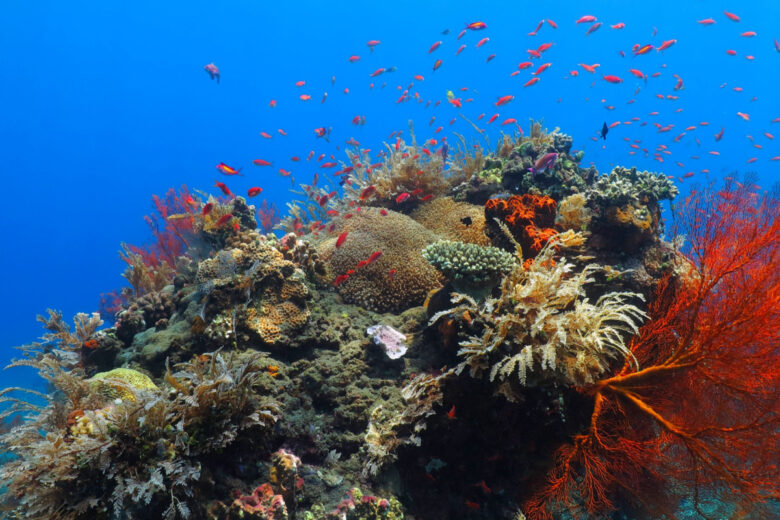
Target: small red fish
(510, 120)
(340, 240)
(551, 23)
(472, 505)
(224, 219)
(402, 197)
(207, 209)
(586, 19)
(213, 71)
(618, 25)
(593, 28)
(437, 64)
(476, 26)
(451, 413)
(612, 79)
(374, 257)
(748, 34)
(372, 43)
(731, 16)
(353, 58)
(391, 274)
(482, 42)
(224, 189)
(524, 65)
(367, 192)
(590, 68)
(706, 21)
(383, 212)
(531, 81)
(492, 118)
(665, 45)
(503, 100)
(253, 192)
(272, 103)
(261, 162)
(434, 46)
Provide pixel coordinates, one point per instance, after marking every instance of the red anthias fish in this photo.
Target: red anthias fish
(213, 71)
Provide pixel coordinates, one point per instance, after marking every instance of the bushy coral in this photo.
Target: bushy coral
(469, 267)
(573, 213)
(153, 309)
(374, 286)
(543, 318)
(359, 506)
(82, 455)
(530, 219)
(453, 220)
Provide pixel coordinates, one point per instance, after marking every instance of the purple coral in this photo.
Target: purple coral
(389, 339)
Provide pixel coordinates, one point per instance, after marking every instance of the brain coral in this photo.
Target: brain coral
(400, 239)
(459, 221)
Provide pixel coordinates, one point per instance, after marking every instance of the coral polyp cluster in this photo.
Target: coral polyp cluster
(472, 333)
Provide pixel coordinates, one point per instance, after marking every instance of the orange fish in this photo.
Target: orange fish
(253, 192)
(227, 170)
(476, 26)
(437, 64)
(304, 97)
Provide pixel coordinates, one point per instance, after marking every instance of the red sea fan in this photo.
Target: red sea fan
(699, 417)
(172, 236)
(267, 216)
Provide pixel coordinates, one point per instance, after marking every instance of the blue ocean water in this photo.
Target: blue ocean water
(107, 103)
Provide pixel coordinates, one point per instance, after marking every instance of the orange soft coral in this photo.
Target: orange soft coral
(530, 218)
(699, 415)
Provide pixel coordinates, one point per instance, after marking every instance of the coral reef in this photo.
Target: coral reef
(400, 240)
(530, 219)
(146, 456)
(623, 185)
(451, 220)
(469, 268)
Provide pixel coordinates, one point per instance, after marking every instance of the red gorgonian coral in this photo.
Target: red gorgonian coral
(699, 416)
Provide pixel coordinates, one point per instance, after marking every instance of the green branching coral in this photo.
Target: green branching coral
(623, 185)
(543, 321)
(470, 267)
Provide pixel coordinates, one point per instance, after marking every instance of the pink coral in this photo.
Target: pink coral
(262, 503)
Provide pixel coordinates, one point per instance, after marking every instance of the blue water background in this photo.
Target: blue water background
(106, 103)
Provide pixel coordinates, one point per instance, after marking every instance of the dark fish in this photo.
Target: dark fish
(604, 131)
(466, 221)
(391, 69)
(445, 31)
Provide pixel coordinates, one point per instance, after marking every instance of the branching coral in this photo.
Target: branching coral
(543, 318)
(141, 455)
(698, 415)
(469, 267)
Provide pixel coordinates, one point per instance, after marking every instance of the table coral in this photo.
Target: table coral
(400, 239)
(530, 219)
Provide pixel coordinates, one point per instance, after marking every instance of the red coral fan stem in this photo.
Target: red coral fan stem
(700, 415)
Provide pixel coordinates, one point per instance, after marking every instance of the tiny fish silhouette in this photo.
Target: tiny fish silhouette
(604, 131)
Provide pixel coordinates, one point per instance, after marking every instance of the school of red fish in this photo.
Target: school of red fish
(533, 68)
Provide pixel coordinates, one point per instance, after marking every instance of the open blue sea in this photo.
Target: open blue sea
(108, 103)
